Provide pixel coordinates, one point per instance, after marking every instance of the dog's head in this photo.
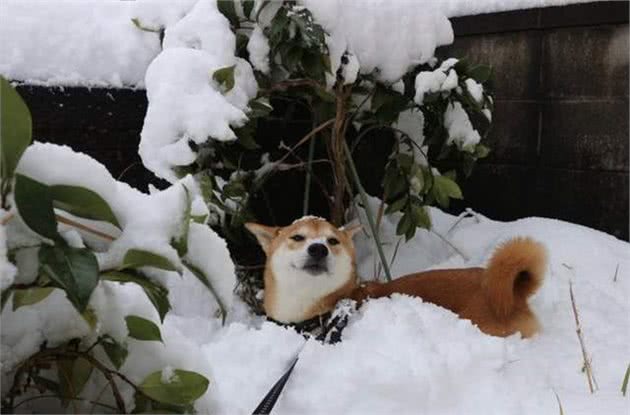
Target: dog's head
(310, 246)
(306, 261)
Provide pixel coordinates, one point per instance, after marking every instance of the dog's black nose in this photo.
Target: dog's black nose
(318, 251)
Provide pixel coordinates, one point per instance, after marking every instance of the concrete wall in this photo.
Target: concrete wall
(560, 139)
(560, 135)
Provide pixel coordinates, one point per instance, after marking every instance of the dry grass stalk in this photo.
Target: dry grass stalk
(588, 369)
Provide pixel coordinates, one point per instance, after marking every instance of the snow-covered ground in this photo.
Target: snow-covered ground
(94, 42)
(400, 355)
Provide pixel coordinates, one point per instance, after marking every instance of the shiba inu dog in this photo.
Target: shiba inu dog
(311, 265)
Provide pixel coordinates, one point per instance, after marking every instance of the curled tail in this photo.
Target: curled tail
(514, 273)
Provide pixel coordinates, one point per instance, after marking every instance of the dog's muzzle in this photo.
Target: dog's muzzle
(316, 262)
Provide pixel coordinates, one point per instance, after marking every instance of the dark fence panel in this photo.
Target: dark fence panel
(560, 138)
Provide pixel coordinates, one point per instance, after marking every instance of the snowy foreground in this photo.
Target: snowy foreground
(401, 355)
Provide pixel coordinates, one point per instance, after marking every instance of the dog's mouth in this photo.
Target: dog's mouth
(315, 267)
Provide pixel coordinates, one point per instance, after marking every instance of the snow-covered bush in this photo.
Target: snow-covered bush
(90, 268)
(362, 71)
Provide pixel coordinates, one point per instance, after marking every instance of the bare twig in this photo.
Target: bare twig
(446, 241)
(292, 83)
(83, 227)
(94, 403)
(305, 139)
(588, 369)
(559, 403)
(68, 222)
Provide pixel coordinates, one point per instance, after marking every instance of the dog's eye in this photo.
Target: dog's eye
(333, 241)
(297, 237)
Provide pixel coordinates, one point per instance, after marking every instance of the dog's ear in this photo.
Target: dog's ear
(264, 234)
(351, 229)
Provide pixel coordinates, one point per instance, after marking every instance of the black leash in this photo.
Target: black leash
(331, 333)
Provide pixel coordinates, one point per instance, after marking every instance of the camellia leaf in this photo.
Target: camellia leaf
(142, 329)
(116, 352)
(259, 107)
(420, 216)
(181, 242)
(226, 7)
(183, 388)
(74, 270)
(204, 280)
(15, 128)
(34, 203)
(82, 202)
(396, 205)
(480, 73)
(225, 76)
(248, 6)
(135, 258)
(29, 296)
(73, 375)
(89, 315)
(6, 294)
(157, 294)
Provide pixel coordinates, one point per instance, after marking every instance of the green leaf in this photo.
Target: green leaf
(157, 294)
(135, 258)
(183, 388)
(6, 294)
(480, 73)
(225, 77)
(140, 26)
(397, 205)
(74, 270)
(624, 384)
(226, 7)
(420, 216)
(15, 128)
(116, 352)
(403, 225)
(30, 296)
(181, 242)
(204, 280)
(481, 151)
(259, 107)
(89, 315)
(142, 329)
(462, 65)
(34, 203)
(248, 6)
(73, 375)
(82, 202)
(445, 188)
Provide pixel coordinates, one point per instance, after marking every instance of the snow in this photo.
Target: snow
(94, 43)
(455, 8)
(460, 129)
(475, 89)
(82, 43)
(378, 35)
(442, 79)
(185, 103)
(258, 48)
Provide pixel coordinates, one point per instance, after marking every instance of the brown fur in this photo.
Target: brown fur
(494, 298)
